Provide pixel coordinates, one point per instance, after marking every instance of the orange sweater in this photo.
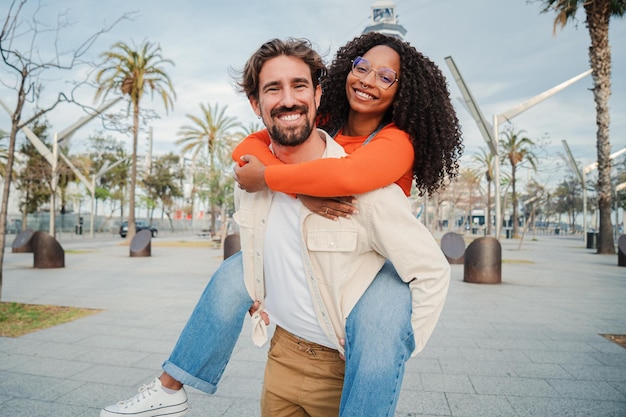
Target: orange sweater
(386, 159)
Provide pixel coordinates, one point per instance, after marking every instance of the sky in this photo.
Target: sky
(505, 50)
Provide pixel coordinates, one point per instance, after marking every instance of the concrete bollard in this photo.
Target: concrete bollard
(483, 261)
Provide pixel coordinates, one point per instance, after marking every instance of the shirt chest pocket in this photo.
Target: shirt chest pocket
(331, 253)
(332, 240)
(246, 220)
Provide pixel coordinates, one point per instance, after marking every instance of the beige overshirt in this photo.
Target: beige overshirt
(341, 258)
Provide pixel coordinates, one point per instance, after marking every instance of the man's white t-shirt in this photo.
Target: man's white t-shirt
(288, 298)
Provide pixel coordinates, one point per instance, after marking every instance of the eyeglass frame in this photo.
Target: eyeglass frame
(376, 77)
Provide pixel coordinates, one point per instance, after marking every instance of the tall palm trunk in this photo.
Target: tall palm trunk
(133, 172)
(598, 15)
(514, 201)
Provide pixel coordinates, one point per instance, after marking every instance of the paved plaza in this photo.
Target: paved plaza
(530, 346)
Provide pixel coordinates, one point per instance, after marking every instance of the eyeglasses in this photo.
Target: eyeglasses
(385, 77)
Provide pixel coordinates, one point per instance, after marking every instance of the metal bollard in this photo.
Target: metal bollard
(453, 247)
(483, 261)
(141, 244)
(47, 251)
(232, 245)
(23, 242)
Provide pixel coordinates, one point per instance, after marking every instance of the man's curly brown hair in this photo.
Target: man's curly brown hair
(421, 107)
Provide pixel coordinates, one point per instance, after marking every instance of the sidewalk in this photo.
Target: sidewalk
(527, 347)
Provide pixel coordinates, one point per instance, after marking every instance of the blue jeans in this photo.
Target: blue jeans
(379, 339)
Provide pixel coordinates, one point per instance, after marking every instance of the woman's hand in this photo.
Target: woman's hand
(331, 208)
(251, 176)
(264, 316)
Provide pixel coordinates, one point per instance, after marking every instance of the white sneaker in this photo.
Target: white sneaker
(151, 401)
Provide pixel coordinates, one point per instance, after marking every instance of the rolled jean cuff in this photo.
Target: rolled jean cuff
(186, 378)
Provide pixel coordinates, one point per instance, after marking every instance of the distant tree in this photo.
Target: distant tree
(533, 200)
(105, 152)
(248, 129)
(134, 71)
(598, 14)
(517, 149)
(34, 177)
(212, 131)
(485, 161)
(66, 176)
(163, 183)
(569, 199)
(469, 181)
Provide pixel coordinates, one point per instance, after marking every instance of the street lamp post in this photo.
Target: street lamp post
(491, 134)
(582, 176)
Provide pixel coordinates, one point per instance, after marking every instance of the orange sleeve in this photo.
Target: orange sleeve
(256, 144)
(388, 158)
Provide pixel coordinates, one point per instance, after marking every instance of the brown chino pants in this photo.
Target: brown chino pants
(302, 379)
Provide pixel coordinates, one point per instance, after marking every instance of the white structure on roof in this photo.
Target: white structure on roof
(384, 19)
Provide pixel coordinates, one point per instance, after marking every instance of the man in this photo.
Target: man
(307, 271)
(311, 308)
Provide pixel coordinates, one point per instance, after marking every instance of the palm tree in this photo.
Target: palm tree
(598, 14)
(485, 161)
(211, 131)
(517, 150)
(133, 72)
(249, 129)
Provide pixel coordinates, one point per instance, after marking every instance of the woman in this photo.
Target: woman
(399, 102)
(206, 343)
(420, 114)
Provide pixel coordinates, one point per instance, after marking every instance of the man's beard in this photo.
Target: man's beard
(291, 136)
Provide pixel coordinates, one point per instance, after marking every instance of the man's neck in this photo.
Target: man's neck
(313, 148)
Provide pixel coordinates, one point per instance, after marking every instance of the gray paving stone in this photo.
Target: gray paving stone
(597, 373)
(533, 407)
(447, 383)
(475, 405)
(528, 387)
(592, 390)
(422, 402)
(527, 347)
